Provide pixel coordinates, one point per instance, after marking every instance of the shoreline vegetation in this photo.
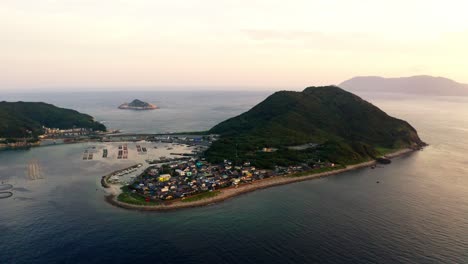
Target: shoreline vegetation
(221, 195)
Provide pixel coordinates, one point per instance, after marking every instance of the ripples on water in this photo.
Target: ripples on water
(418, 213)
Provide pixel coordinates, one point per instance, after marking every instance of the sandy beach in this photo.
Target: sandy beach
(230, 192)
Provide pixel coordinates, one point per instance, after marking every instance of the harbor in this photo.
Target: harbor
(115, 176)
(148, 152)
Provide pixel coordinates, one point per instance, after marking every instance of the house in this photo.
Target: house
(164, 177)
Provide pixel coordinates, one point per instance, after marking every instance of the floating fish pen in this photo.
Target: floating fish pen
(34, 171)
(5, 187)
(4, 195)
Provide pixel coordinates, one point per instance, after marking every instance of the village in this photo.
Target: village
(183, 179)
(67, 133)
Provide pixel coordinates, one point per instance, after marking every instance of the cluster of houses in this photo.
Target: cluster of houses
(18, 143)
(190, 177)
(73, 132)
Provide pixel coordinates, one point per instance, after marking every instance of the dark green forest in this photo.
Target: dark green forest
(26, 119)
(346, 128)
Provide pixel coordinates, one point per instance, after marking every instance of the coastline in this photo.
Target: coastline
(230, 192)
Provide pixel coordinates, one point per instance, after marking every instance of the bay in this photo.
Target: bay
(418, 213)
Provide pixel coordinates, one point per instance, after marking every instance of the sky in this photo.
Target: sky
(209, 44)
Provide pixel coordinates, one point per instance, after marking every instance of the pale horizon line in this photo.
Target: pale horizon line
(192, 88)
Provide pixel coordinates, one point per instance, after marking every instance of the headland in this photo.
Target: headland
(289, 137)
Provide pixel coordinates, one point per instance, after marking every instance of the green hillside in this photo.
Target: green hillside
(346, 128)
(25, 119)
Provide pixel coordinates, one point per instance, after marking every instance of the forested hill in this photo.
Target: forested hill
(26, 119)
(347, 128)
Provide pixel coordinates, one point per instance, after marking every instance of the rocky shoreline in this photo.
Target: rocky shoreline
(138, 105)
(230, 192)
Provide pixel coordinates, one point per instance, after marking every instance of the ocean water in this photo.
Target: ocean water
(418, 213)
(179, 111)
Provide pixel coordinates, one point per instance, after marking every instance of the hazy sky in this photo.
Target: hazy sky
(65, 44)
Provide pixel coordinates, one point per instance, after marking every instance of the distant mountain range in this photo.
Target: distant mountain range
(420, 85)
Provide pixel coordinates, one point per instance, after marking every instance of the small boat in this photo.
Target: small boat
(383, 160)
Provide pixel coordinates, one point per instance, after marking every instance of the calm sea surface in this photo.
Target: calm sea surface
(418, 213)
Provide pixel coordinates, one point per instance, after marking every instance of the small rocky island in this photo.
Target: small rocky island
(138, 105)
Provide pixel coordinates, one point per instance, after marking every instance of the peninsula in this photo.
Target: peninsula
(138, 105)
(289, 137)
(23, 123)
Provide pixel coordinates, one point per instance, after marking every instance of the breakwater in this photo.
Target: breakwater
(105, 178)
